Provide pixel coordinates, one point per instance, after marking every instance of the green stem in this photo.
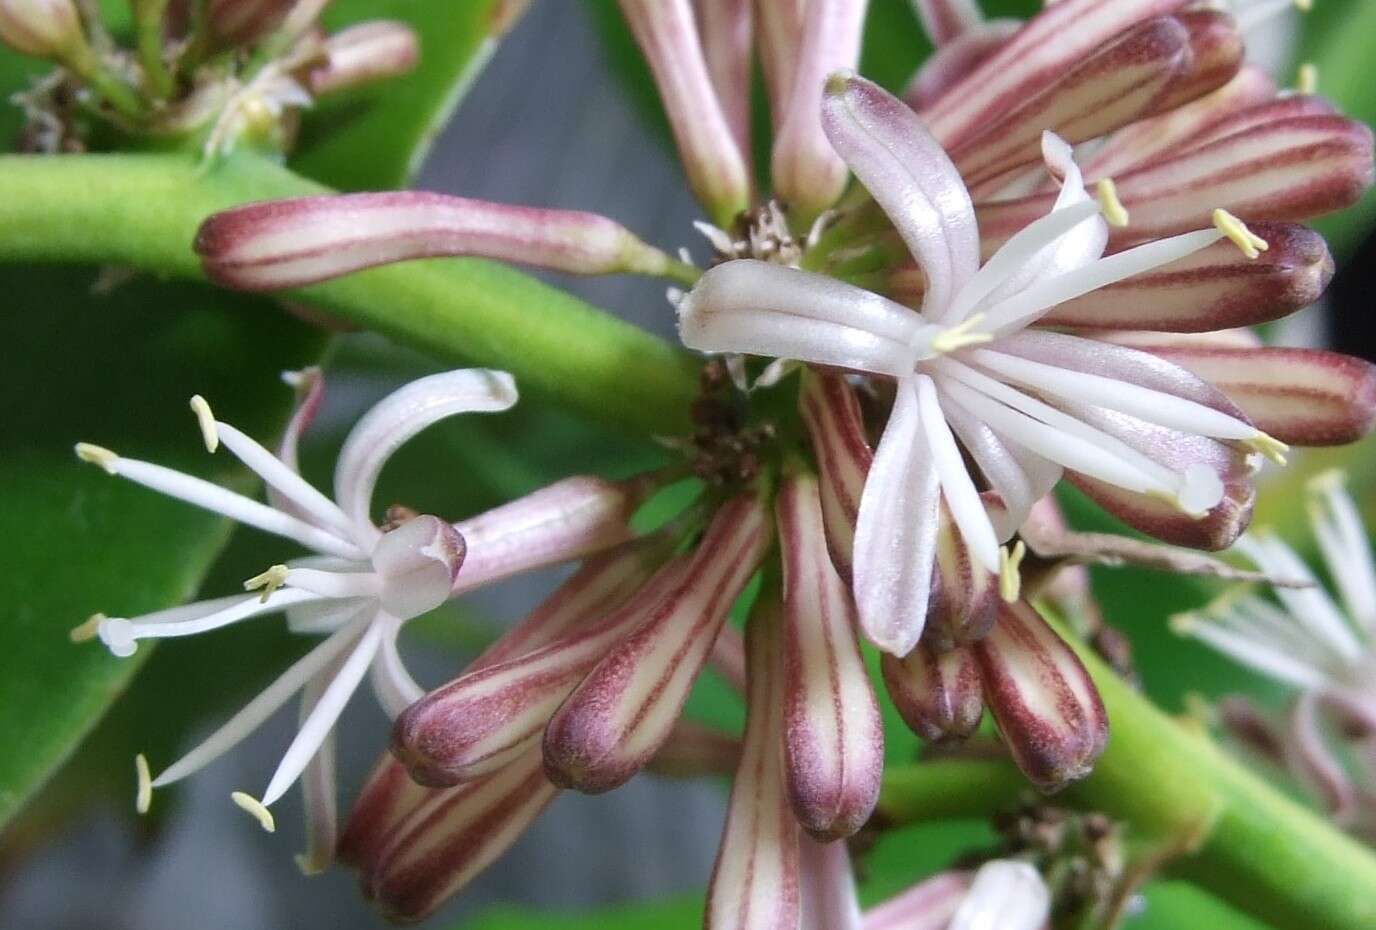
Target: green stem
(109, 87)
(150, 28)
(1250, 845)
(144, 210)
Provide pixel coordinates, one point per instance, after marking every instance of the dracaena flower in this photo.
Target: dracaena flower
(1319, 647)
(1147, 437)
(364, 581)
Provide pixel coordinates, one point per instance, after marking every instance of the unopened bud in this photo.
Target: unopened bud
(936, 693)
(965, 594)
(42, 28)
(363, 54)
(242, 22)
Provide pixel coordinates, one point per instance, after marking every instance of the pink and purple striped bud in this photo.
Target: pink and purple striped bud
(42, 28)
(1043, 700)
(362, 54)
(938, 694)
(947, 21)
(282, 244)
(832, 415)
(622, 712)
(668, 36)
(755, 881)
(808, 174)
(833, 735)
(243, 22)
(727, 31)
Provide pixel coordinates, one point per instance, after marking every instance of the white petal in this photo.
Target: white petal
(962, 497)
(396, 690)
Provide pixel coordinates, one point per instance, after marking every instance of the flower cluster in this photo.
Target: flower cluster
(219, 71)
(1043, 273)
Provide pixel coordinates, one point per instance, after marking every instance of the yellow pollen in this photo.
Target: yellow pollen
(1331, 479)
(87, 631)
(1269, 446)
(144, 797)
(97, 455)
(960, 336)
(1114, 211)
(255, 807)
(1010, 579)
(1249, 242)
(269, 581)
(210, 434)
(1307, 80)
(1183, 624)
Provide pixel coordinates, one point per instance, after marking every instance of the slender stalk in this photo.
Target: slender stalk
(143, 211)
(106, 84)
(150, 29)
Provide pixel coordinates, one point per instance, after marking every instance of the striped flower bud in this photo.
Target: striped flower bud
(242, 22)
(275, 245)
(833, 735)
(1043, 700)
(42, 28)
(755, 881)
(624, 710)
(965, 594)
(938, 694)
(832, 416)
(362, 54)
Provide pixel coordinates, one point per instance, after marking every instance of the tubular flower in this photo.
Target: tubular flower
(1319, 647)
(364, 581)
(1159, 446)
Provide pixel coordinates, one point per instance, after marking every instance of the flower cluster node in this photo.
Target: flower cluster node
(725, 449)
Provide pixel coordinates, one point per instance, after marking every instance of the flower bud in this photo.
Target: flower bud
(625, 709)
(42, 28)
(833, 736)
(937, 694)
(965, 594)
(832, 416)
(242, 22)
(1043, 700)
(363, 54)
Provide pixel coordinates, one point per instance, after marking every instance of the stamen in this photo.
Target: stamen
(293, 379)
(1307, 80)
(960, 336)
(1269, 446)
(269, 581)
(1249, 242)
(1010, 578)
(1114, 211)
(1332, 479)
(210, 434)
(97, 455)
(718, 238)
(819, 226)
(87, 631)
(1304, 6)
(251, 804)
(144, 797)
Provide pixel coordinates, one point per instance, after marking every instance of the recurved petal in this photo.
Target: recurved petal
(623, 711)
(560, 522)
(910, 176)
(1107, 90)
(755, 881)
(957, 58)
(938, 694)
(456, 834)
(1215, 288)
(1043, 700)
(401, 415)
(1053, 41)
(1306, 397)
(833, 735)
(481, 720)
(279, 244)
(765, 309)
(808, 175)
(668, 36)
(925, 906)
(833, 419)
(896, 532)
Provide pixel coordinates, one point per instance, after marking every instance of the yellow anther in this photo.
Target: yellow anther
(269, 581)
(1010, 579)
(210, 433)
(961, 336)
(1330, 479)
(1269, 446)
(1304, 6)
(1110, 205)
(144, 797)
(1183, 624)
(87, 631)
(1249, 242)
(255, 807)
(1307, 79)
(97, 455)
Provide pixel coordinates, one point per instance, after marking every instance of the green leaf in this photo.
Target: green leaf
(116, 371)
(378, 136)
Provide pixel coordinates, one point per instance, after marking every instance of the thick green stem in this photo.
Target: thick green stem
(144, 210)
(1240, 838)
